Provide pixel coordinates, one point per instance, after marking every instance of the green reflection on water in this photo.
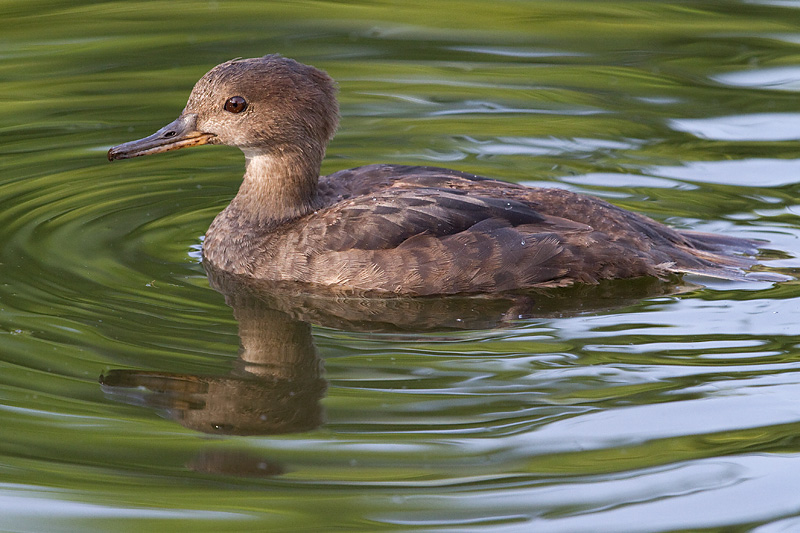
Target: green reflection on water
(458, 426)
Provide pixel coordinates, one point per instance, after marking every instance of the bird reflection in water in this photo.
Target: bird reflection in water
(277, 385)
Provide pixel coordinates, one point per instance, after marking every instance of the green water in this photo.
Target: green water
(632, 406)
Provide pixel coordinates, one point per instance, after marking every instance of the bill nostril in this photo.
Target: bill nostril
(168, 134)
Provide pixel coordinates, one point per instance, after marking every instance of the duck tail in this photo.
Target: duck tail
(723, 257)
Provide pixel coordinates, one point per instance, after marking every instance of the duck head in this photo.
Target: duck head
(267, 106)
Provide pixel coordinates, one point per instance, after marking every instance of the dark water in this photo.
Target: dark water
(632, 406)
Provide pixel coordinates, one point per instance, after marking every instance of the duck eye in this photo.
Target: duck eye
(235, 104)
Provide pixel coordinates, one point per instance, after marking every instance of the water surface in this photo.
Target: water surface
(633, 406)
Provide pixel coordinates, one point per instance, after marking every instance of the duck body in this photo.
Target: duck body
(421, 230)
(396, 229)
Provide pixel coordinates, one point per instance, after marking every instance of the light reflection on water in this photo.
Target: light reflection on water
(628, 407)
(755, 127)
(778, 78)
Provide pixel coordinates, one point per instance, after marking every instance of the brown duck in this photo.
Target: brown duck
(400, 229)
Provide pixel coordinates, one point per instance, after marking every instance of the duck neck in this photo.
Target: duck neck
(278, 186)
